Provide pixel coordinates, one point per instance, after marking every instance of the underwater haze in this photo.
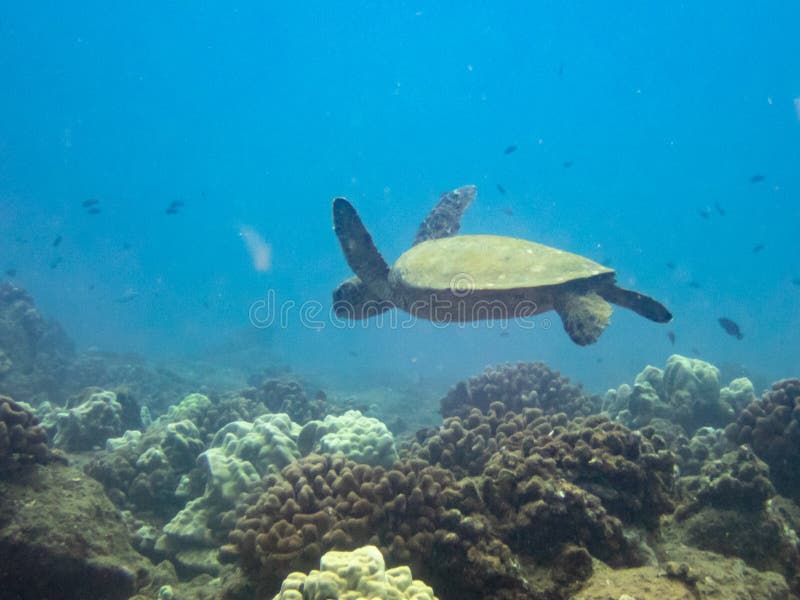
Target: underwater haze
(167, 172)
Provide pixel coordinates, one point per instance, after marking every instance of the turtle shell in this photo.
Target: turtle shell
(490, 262)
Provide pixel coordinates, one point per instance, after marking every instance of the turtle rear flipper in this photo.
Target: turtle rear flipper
(359, 249)
(445, 218)
(584, 316)
(643, 305)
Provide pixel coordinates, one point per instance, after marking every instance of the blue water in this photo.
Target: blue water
(258, 114)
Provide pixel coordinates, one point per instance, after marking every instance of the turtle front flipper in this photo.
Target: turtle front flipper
(643, 305)
(359, 249)
(584, 316)
(353, 300)
(445, 218)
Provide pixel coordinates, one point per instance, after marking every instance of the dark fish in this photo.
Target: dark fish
(671, 336)
(90, 202)
(93, 211)
(796, 281)
(11, 272)
(504, 334)
(510, 149)
(758, 248)
(704, 212)
(177, 203)
(21, 240)
(730, 327)
(353, 353)
(171, 210)
(508, 211)
(57, 241)
(694, 285)
(720, 210)
(501, 189)
(55, 262)
(670, 266)
(126, 246)
(695, 350)
(560, 69)
(91, 287)
(567, 164)
(757, 178)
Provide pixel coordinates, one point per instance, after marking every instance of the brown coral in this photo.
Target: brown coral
(413, 512)
(22, 439)
(772, 427)
(518, 386)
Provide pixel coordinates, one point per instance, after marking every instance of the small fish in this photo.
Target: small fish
(11, 272)
(20, 240)
(353, 353)
(93, 211)
(55, 262)
(501, 189)
(671, 336)
(90, 202)
(507, 211)
(504, 334)
(567, 164)
(177, 203)
(91, 287)
(730, 327)
(757, 178)
(720, 210)
(510, 150)
(796, 281)
(57, 241)
(171, 210)
(758, 248)
(560, 69)
(670, 266)
(704, 212)
(694, 350)
(126, 246)
(695, 285)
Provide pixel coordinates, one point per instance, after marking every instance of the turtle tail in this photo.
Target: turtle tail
(359, 249)
(643, 305)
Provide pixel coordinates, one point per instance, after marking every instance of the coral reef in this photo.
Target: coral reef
(240, 454)
(771, 426)
(361, 439)
(355, 575)
(34, 353)
(281, 395)
(413, 513)
(95, 418)
(518, 386)
(687, 392)
(142, 472)
(22, 439)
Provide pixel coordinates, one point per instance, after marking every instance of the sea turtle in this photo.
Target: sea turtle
(447, 277)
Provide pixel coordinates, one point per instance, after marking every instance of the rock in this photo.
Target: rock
(62, 538)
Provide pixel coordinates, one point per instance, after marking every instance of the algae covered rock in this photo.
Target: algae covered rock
(361, 439)
(360, 574)
(60, 537)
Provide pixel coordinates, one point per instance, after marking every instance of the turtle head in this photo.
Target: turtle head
(359, 249)
(353, 300)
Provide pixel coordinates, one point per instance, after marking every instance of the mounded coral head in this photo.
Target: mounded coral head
(355, 575)
(22, 439)
(361, 439)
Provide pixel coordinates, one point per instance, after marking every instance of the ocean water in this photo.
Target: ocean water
(636, 127)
